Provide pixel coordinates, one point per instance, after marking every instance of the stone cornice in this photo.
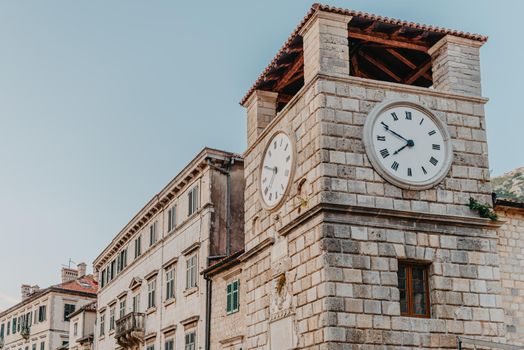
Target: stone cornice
(408, 220)
(256, 249)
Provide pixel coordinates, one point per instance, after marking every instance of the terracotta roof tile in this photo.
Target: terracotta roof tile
(321, 7)
(86, 284)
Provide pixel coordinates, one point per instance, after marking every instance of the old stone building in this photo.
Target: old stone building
(41, 320)
(152, 295)
(511, 255)
(366, 140)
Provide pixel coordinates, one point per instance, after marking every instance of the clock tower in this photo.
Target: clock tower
(366, 140)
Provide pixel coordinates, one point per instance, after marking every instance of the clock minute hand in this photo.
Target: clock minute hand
(394, 133)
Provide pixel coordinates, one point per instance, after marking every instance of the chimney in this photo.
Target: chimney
(81, 269)
(25, 290)
(35, 289)
(69, 274)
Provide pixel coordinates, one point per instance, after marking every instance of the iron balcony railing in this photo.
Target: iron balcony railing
(131, 322)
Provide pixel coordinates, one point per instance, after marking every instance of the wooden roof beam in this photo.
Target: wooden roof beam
(288, 76)
(380, 66)
(418, 72)
(391, 40)
(406, 61)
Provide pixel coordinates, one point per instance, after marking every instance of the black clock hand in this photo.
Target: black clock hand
(394, 133)
(401, 148)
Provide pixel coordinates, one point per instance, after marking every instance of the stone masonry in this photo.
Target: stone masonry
(333, 247)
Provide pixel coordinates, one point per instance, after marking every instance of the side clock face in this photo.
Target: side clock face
(276, 169)
(408, 145)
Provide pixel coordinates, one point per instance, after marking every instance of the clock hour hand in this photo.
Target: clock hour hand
(410, 143)
(394, 133)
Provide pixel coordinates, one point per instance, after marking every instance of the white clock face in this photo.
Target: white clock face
(409, 145)
(276, 169)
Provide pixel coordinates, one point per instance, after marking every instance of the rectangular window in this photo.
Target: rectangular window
(102, 324)
(2, 327)
(8, 327)
(33, 347)
(414, 289)
(171, 218)
(152, 234)
(190, 341)
(68, 309)
(136, 303)
(122, 312)
(192, 200)
(111, 318)
(151, 290)
(191, 272)
(121, 260)
(169, 344)
(138, 246)
(14, 326)
(103, 278)
(150, 347)
(42, 313)
(232, 296)
(170, 283)
(42, 346)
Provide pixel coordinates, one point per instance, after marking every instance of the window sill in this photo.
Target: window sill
(169, 302)
(102, 337)
(151, 310)
(111, 332)
(190, 291)
(232, 312)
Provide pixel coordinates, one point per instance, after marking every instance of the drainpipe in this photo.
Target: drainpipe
(209, 291)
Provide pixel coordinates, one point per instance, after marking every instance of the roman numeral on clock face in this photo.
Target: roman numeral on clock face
(424, 170)
(381, 138)
(408, 115)
(384, 153)
(432, 132)
(436, 147)
(433, 161)
(394, 166)
(394, 115)
(409, 172)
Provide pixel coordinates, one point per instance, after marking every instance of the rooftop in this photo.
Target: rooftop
(380, 48)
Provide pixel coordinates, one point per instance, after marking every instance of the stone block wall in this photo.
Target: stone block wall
(511, 250)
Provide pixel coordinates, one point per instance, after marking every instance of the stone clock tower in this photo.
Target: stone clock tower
(366, 140)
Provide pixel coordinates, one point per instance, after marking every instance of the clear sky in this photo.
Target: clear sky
(103, 102)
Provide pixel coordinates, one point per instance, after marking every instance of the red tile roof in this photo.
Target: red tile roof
(86, 284)
(363, 15)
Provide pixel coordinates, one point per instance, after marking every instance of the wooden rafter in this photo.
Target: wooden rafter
(355, 66)
(417, 72)
(406, 61)
(289, 77)
(379, 65)
(388, 39)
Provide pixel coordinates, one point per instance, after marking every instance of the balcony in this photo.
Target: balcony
(25, 331)
(130, 330)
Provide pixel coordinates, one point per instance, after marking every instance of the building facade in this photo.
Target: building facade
(82, 328)
(40, 321)
(511, 253)
(366, 140)
(152, 295)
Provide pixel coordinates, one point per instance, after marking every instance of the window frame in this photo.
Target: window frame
(122, 307)
(151, 293)
(170, 282)
(102, 330)
(193, 200)
(230, 296)
(138, 246)
(171, 343)
(192, 271)
(187, 336)
(71, 307)
(112, 318)
(153, 233)
(171, 218)
(408, 266)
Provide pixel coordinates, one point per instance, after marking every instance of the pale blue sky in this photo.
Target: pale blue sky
(102, 103)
